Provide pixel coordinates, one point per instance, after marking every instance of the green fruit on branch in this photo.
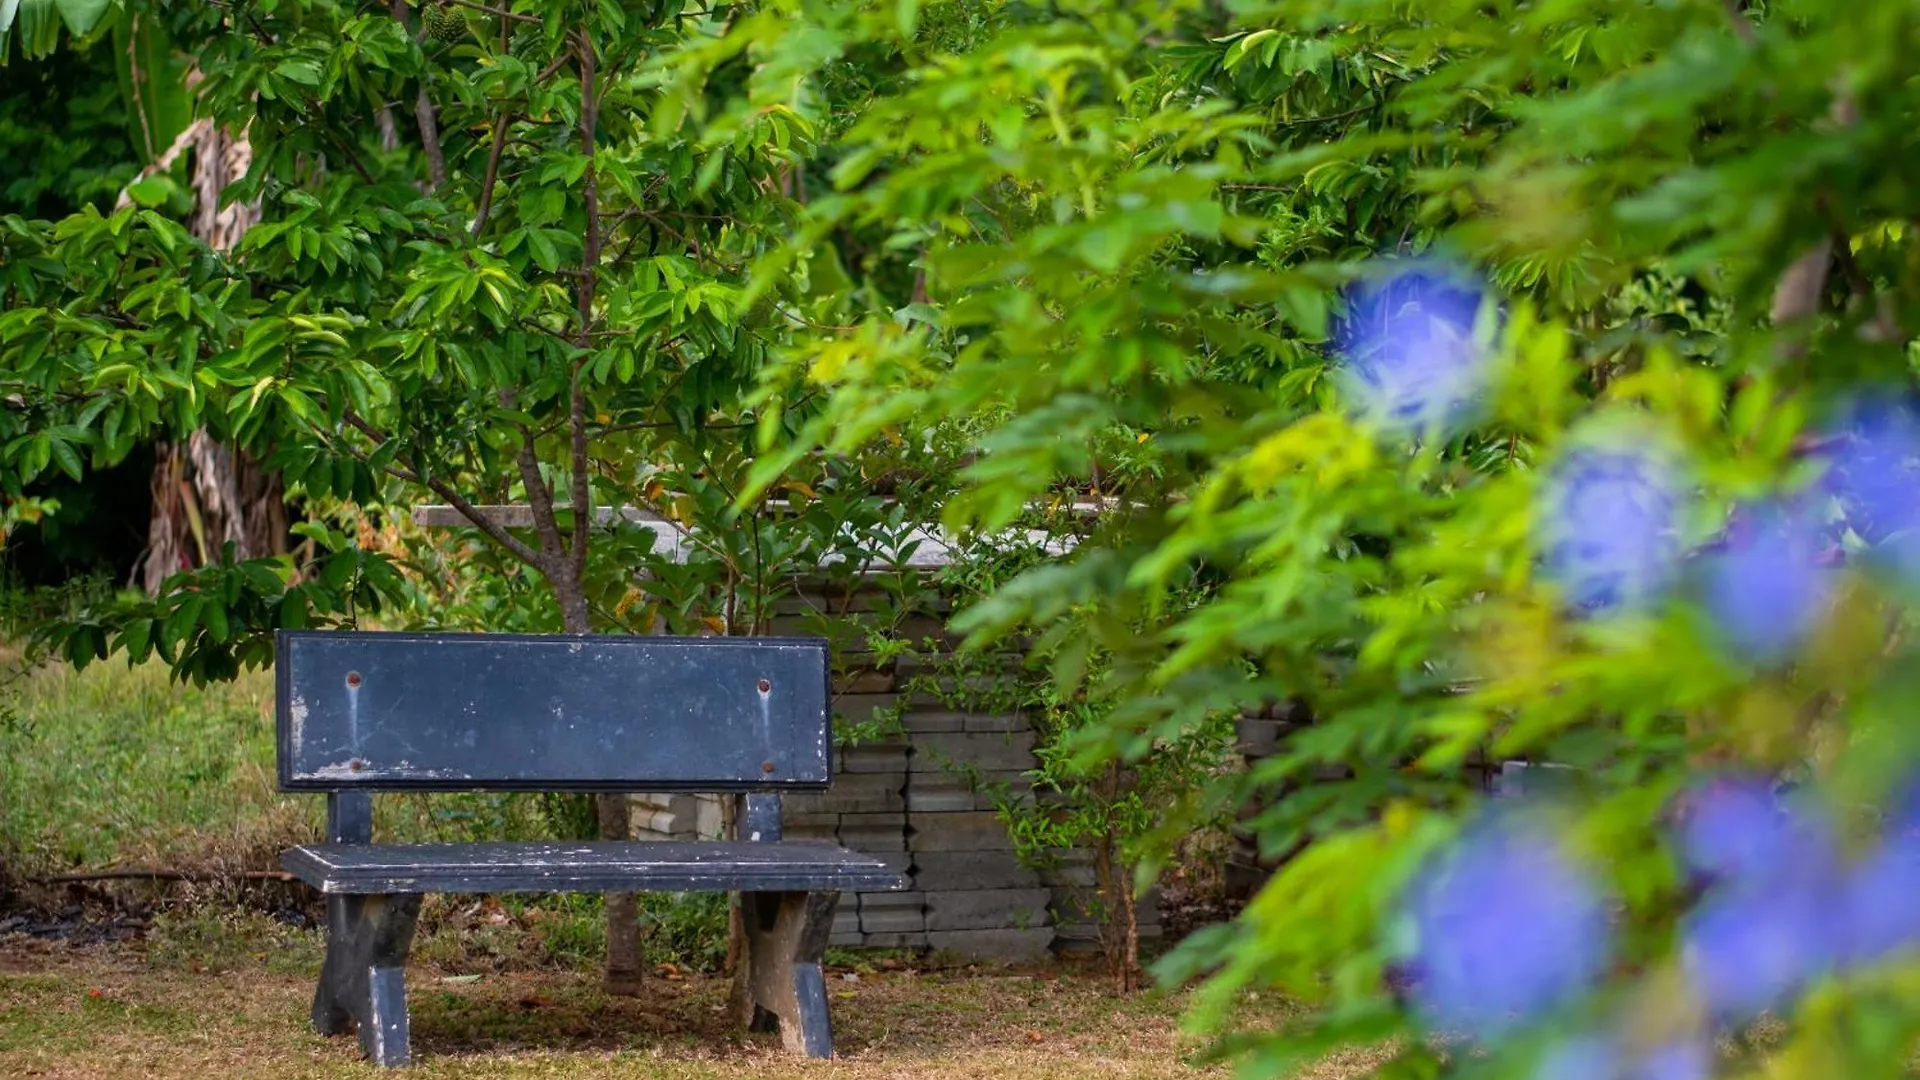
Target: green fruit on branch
(444, 23)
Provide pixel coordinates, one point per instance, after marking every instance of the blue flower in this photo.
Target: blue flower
(1767, 589)
(1686, 1059)
(1879, 913)
(1594, 1057)
(1611, 519)
(1734, 829)
(1410, 361)
(1774, 919)
(1876, 473)
(1508, 928)
(1752, 947)
(1587, 1057)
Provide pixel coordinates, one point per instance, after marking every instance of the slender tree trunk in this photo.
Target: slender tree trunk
(615, 811)
(624, 976)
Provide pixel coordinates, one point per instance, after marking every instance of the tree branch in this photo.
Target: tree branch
(1796, 295)
(493, 173)
(439, 487)
(1884, 324)
(430, 137)
(423, 110)
(588, 285)
(512, 16)
(1742, 26)
(539, 500)
(548, 71)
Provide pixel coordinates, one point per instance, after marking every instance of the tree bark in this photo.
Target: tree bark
(570, 567)
(206, 495)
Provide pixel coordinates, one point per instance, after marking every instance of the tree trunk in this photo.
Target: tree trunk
(206, 495)
(624, 975)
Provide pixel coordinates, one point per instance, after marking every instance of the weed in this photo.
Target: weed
(686, 929)
(202, 938)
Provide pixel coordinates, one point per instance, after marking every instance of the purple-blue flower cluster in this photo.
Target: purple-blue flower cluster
(1782, 905)
(1508, 927)
(1769, 586)
(1410, 361)
(1611, 530)
(1876, 476)
(1593, 1057)
(1611, 526)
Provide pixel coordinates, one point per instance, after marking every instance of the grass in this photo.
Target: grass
(115, 767)
(119, 767)
(231, 1000)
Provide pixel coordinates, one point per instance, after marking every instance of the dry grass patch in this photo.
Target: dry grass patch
(111, 1011)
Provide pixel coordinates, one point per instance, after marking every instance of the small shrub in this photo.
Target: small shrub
(685, 929)
(572, 931)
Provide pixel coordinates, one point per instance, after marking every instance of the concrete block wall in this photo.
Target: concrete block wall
(918, 800)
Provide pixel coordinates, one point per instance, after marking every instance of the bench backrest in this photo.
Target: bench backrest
(455, 712)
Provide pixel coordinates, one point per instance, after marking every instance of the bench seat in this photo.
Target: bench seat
(587, 866)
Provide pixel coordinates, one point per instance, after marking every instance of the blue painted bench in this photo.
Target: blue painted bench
(364, 712)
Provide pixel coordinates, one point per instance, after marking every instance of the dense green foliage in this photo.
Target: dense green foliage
(1112, 251)
(527, 293)
(63, 136)
(1133, 222)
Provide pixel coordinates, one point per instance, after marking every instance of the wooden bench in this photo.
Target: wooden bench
(365, 712)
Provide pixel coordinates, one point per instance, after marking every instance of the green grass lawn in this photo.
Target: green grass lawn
(118, 767)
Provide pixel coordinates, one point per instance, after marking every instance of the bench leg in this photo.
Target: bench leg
(363, 981)
(781, 985)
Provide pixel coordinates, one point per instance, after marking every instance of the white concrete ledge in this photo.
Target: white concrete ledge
(919, 548)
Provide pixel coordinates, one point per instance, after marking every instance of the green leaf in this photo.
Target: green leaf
(137, 639)
(543, 251)
(214, 618)
(180, 623)
(152, 191)
(82, 15)
(38, 27)
(64, 457)
(153, 80)
(304, 72)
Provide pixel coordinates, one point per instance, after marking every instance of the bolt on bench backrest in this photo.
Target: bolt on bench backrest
(455, 712)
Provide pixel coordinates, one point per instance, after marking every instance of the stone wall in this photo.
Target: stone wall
(918, 800)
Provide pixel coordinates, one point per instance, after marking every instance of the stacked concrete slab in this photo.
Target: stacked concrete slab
(923, 800)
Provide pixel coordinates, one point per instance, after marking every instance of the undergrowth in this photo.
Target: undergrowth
(114, 767)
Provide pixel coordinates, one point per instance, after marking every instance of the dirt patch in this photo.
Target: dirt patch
(105, 1011)
(73, 926)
